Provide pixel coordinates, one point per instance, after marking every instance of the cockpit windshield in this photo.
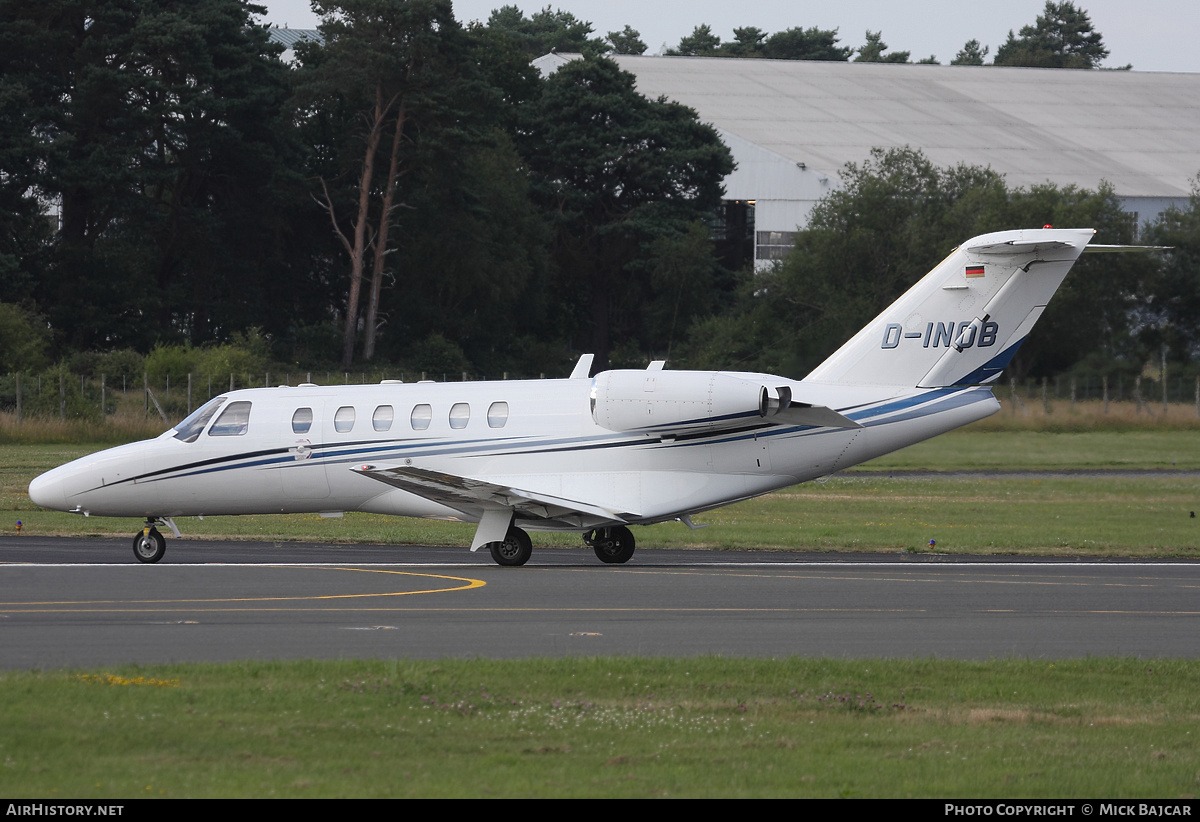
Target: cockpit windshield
(190, 428)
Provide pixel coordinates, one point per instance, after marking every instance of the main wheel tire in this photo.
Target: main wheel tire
(612, 545)
(515, 549)
(149, 546)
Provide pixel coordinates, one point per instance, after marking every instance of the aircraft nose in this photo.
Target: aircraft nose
(48, 491)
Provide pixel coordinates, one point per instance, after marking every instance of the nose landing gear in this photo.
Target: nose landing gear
(148, 544)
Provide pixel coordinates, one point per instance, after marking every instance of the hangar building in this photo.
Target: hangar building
(792, 125)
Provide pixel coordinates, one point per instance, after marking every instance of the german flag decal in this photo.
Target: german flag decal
(974, 271)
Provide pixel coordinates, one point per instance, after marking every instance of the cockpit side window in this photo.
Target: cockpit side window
(233, 422)
(190, 428)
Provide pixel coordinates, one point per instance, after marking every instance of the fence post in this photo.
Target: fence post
(230, 380)
(189, 393)
(1163, 378)
(146, 392)
(19, 396)
(103, 397)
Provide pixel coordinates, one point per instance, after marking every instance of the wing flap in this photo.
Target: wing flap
(473, 496)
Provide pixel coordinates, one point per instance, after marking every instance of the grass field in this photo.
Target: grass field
(606, 727)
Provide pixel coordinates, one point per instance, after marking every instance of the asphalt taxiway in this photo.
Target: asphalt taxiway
(87, 602)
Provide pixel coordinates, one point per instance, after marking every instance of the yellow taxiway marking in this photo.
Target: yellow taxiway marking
(467, 585)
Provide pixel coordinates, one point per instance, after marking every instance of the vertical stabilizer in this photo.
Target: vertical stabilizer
(963, 321)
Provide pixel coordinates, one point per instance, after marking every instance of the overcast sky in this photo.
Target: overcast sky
(1154, 35)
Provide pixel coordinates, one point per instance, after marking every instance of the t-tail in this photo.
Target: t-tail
(962, 323)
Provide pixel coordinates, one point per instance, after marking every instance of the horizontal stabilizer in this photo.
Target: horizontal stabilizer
(1124, 249)
(1017, 247)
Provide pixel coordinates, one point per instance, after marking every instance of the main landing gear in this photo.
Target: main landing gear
(148, 544)
(514, 549)
(613, 545)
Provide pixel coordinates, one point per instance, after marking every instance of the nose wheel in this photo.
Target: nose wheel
(149, 545)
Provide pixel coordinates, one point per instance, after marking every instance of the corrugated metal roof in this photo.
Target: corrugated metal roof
(1138, 130)
(290, 37)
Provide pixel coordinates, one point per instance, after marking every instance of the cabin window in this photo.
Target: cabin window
(302, 420)
(421, 415)
(381, 420)
(497, 414)
(190, 428)
(460, 414)
(233, 422)
(343, 420)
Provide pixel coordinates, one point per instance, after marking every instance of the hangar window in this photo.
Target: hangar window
(497, 414)
(460, 414)
(233, 422)
(302, 420)
(421, 415)
(774, 245)
(190, 428)
(343, 420)
(381, 420)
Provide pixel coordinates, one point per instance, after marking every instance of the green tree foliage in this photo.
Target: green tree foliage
(23, 338)
(749, 41)
(873, 51)
(1061, 37)
(893, 219)
(154, 127)
(700, 43)
(474, 249)
(617, 171)
(1172, 310)
(971, 54)
(805, 44)
(627, 41)
(406, 93)
(548, 30)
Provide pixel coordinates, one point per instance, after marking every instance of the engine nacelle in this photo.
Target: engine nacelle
(660, 401)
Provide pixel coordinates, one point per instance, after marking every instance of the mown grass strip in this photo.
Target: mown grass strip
(606, 727)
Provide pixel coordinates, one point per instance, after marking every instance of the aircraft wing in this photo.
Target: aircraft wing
(484, 500)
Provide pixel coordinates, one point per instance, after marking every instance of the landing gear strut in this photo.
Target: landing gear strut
(613, 545)
(148, 544)
(514, 549)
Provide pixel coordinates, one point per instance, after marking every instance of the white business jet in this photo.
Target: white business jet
(588, 454)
